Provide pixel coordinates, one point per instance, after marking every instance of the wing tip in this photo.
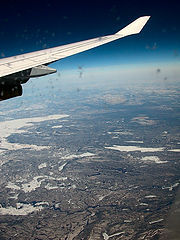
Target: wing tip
(135, 27)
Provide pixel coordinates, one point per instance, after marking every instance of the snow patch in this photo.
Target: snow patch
(106, 237)
(151, 196)
(42, 165)
(35, 183)
(121, 133)
(174, 150)
(50, 187)
(15, 127)
(59, 126)
(153, 159)
(127, 221)
(32, 185)
(143, 204)
(15, 196)
(87, 154)
(173, 186)
(134, 141)
(134, 148)
(156, 221)
(62, 167)
(20, 209)
(41, 203)
(13, 186)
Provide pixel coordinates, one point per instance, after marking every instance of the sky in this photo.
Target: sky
(30, 25)
(33, 25)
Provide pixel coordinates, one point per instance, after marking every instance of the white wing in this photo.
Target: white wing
(32, 60)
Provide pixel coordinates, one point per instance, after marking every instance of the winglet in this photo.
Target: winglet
(134, 27)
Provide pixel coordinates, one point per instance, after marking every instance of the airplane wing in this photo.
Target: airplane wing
(35, 63)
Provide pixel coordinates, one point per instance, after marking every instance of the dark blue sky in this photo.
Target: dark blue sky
(32, 25)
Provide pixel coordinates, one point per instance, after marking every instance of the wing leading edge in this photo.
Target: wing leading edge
(28, 61)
